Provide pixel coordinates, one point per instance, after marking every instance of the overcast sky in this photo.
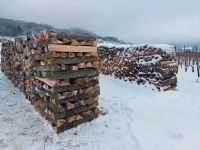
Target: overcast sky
(132, 20)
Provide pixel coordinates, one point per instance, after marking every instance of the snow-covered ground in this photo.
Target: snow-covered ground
(134, 118)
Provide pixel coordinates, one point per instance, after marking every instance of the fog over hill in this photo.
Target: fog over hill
(12, 28)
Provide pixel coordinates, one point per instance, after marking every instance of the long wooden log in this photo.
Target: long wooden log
(57, 115)
(78, 97)
(66, 61)
(74, 60)
(69, 48)
(89, 72)
(67, 126)
(75, 86)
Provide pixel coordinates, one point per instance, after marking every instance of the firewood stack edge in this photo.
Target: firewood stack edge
(58, 73)
(143, 64)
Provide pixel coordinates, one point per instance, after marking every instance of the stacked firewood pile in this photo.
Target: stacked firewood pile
(58, 73)
(6, 56)
(142, 64)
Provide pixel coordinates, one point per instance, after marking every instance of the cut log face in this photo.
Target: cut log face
(58, 74)
(49, 82)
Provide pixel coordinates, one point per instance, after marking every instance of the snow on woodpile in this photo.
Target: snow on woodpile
(168, 48)
(143, 64)
(113, 44)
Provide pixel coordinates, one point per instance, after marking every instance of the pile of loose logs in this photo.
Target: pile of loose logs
(143, 64)
(58, 73)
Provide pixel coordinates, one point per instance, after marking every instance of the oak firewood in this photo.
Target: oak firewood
(70, 106)
(74, 43)
(64, 82)
(56, 41)
(74, 68)
(88, 65)
(56, 54)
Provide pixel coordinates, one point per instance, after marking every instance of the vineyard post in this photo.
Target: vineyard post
(185, 59)
(198, 73)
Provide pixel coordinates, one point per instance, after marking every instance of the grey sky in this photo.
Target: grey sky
(132, 20)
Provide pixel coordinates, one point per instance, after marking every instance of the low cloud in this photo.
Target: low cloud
(132, 20)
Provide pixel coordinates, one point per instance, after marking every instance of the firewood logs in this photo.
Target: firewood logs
(58, 73)
(141, 64)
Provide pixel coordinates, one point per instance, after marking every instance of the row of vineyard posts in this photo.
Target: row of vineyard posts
(189, 57)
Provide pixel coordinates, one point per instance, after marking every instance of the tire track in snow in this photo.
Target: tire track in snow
(127, 114)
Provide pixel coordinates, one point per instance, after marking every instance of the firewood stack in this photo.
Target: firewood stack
(7, 55)
(141, 64)
(58, 73)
